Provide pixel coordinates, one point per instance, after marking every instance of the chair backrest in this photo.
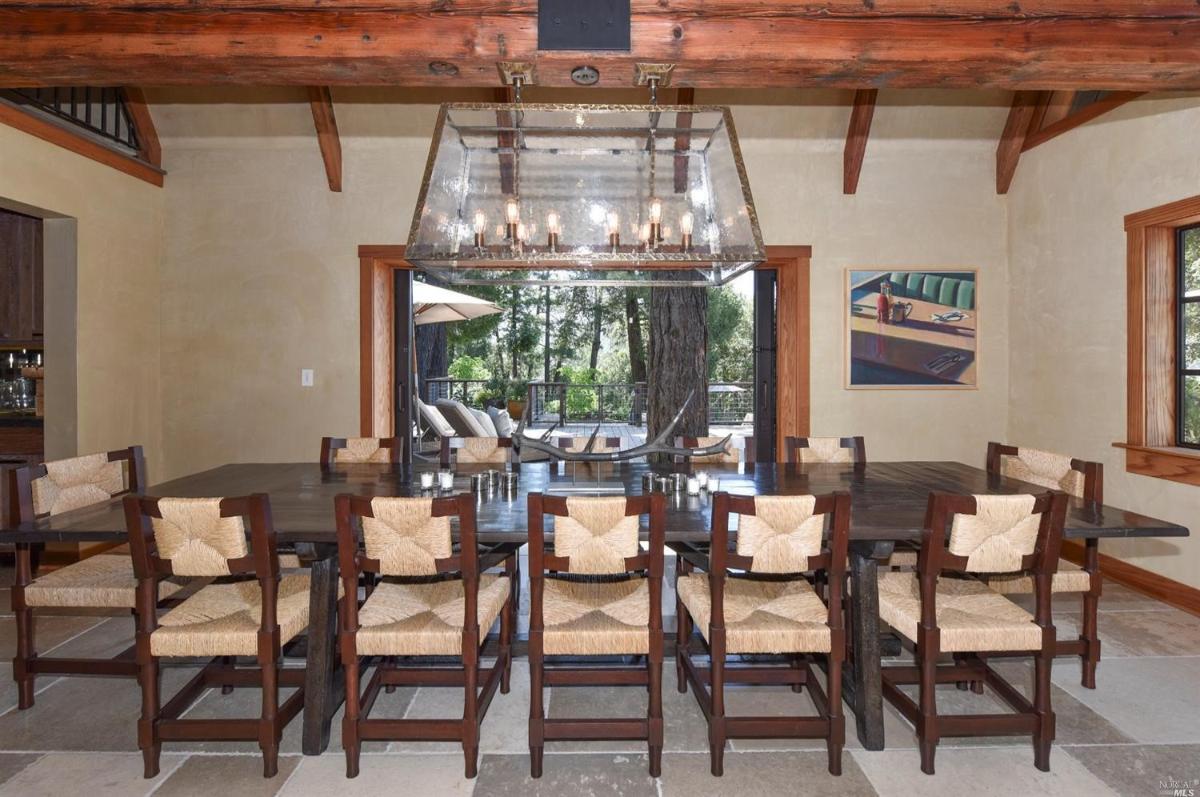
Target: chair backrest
(434, 419)
(1075, 477)
(395, 536)
(596, 535)
(603, 445)
(782, 533)
(349, 450)
(738, 449)
(62, 485)
(465, 424)
(201, 536)
(476, 450)
(993, 533)
(820, 450)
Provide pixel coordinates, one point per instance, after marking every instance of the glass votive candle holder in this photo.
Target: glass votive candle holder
(693, 486)
(427, 481)
(702, 477)
(714, 484)
(446, 479)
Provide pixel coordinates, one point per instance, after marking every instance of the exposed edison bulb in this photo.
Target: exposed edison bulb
(480, 222)
(614, 222)
(522, 232)
(644, 233)
(552, 223)
(686, 222)
(655, 211)
(499, 230)
(512, 211)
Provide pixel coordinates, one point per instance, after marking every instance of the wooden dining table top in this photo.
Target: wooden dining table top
(888, 499)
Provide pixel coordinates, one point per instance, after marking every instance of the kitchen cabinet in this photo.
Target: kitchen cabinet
(21, 311)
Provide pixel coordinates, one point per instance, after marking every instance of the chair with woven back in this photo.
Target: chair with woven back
(252, 611)
(476, 451)
(104, 581)
(598, 594)
(1085, 481)
(825, 450)
(356, 450)
(737, 450)
(944, 608)
(756, 599)
(431, 601)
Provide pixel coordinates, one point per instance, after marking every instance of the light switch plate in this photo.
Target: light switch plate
(306, 377)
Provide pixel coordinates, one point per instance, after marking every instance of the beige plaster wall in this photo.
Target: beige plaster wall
(1067, 301)
(260, 275)
(119, 229)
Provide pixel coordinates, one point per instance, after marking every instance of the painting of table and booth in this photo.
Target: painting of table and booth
(911, 328)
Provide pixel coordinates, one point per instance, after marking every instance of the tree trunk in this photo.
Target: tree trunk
(513, 335)
(597, 313)
(637, 354)
(432, 355)
(678, 360)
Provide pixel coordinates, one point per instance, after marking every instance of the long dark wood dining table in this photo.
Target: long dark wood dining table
(888, 506)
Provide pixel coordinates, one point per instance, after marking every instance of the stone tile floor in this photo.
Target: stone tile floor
(1138, 734)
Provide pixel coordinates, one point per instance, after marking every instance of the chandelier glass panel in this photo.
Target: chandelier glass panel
(585, 194)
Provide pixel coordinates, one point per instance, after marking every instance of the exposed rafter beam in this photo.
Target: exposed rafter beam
(1053, 129)
(1133, 45)
(856, 138)
(327, 134)
(506, 142)
(1008, 153)
(149, 149)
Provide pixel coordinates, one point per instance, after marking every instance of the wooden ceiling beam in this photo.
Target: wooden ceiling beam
(149, 149)
(1008, 152)
(321, 102)
(857, 134)
(765, 44)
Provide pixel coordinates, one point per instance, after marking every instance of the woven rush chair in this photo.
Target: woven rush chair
(355, 450)
(252, 611)
(433, 601)
(476, 451)
(598, 594)
(737, 450)
(1084, 480)
(105, 581)
(943, 608)
(768, 607)
(822, 450)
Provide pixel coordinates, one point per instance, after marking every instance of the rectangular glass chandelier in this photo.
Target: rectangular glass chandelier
(585, 194)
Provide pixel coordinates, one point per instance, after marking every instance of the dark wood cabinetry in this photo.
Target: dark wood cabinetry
(20, 278)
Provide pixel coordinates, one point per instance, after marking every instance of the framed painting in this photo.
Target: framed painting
(915, 329)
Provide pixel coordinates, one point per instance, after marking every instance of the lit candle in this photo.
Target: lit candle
(686, 222)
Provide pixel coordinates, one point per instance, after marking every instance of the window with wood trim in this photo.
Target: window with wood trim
(1187, 321)
(1163, 288)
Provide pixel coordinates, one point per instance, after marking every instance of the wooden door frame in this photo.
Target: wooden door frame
(377, 264)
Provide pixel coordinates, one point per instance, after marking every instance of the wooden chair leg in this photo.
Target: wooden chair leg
(536, 716)
(798, 664)
(716, 721)
(470, 728)
(351, 742)
(268, 724)
(26, 651)
(837, 721)
(654, 667)
(148, 739)
(683, 629)
(507, 622)
(227, 661)
(1044, 736)
(927, 731)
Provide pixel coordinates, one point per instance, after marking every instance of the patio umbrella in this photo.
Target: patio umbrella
(434, 305)
(726, 389)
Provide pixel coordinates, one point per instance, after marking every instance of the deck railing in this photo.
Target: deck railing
(729, 403)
